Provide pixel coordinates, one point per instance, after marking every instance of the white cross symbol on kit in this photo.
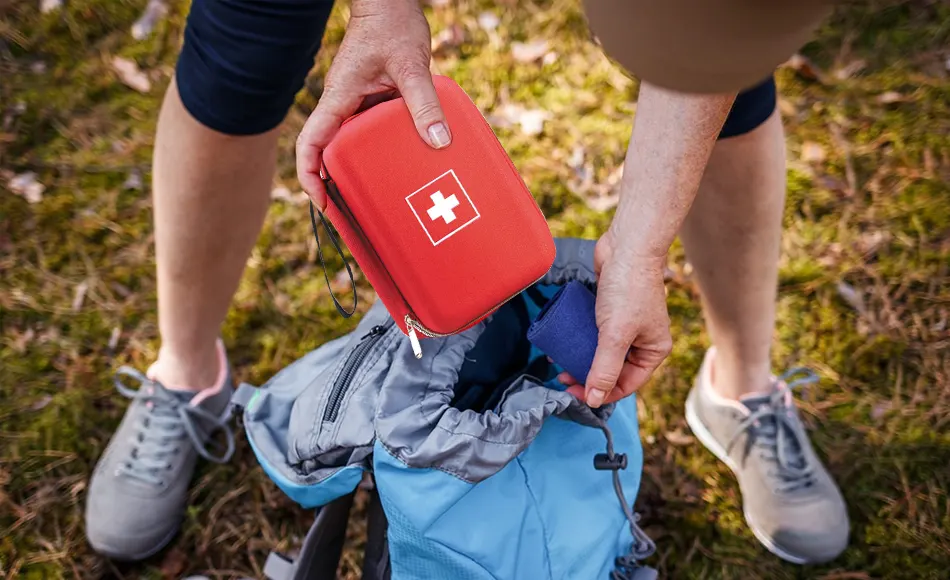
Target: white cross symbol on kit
(442, 207)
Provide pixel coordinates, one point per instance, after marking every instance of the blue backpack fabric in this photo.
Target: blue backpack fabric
(485, 467)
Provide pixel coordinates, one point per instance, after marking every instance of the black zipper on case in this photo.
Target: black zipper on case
(350, 366)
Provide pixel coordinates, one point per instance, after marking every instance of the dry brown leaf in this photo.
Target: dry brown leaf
(813, 152)
(154, 12)
(805, 68)
(870, 242)
(531, 121)
(47, 6)
(786, 107)
(891, 97)
(281, 193)
(114, 338)
(881, 409)
(530, 51)
(79, 295)
(130, 74)
(41, 403)
(930, 164)
(21, 341)
(852, 297)
(133, 181)
(850, 69)
(174, 563)
(678, 438)
(488, 21)
(26, 186)
(448, 40)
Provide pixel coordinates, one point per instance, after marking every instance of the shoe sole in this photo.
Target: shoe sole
(710, 443)
(122, 557)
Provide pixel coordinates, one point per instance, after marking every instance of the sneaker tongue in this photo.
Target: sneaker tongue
(754, 401)
(183, 396)
(758, 400)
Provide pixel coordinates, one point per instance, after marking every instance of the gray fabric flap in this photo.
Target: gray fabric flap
(314, 441)
(280, 420)
(574, 261)
(416, 423)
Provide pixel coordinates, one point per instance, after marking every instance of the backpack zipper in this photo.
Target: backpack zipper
(350, 366)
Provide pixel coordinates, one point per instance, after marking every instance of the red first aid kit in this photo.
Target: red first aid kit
(444, 236)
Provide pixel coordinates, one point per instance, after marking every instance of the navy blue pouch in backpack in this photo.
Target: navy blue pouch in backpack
(485, 467)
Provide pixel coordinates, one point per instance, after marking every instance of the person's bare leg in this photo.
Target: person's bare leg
(732, 236)
(211, 193)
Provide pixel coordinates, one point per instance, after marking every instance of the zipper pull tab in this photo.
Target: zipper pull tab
(413, 338)
(378, 329)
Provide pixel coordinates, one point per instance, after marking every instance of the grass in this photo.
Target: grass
(865, 281)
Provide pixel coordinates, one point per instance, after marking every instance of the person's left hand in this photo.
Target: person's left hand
(633, 323)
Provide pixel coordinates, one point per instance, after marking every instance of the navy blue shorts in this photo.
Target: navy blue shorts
(243, 62)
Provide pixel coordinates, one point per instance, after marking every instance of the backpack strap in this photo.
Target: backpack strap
(278, 567)
(243, 396)
(321, 550)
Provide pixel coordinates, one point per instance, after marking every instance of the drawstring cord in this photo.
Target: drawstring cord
(336, 245)
(626, 567)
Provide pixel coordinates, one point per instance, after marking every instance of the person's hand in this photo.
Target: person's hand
(385, 52)
(633, 323)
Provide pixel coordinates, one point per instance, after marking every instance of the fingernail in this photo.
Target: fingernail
(595, 398)
(439, 135)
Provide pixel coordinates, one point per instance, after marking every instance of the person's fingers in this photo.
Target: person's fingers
(414, 81)
(640, 365)
(565, 378)
(631, 378)
(577, 391)
(336, 104)
(612, 347)
(308, 171)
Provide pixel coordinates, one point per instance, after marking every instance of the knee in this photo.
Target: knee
(240, 69)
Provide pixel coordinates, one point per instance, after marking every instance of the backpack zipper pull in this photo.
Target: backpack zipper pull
(378, 329)
(413, 337)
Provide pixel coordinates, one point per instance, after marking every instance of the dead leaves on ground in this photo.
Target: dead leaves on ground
(27, 186)
(130, 74)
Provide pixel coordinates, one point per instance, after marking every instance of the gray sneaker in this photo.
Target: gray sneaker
(138, 492)
(789, 499)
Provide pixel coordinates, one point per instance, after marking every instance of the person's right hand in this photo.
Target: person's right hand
(632, 321)
(385, 53)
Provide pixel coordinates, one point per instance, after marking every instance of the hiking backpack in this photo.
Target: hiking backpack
(483, 466)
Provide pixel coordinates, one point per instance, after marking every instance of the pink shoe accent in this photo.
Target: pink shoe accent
(706, 375)
(211, 391)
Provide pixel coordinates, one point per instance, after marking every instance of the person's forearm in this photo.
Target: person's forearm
(673, 136)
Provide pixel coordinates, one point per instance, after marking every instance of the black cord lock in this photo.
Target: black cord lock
(610, 462)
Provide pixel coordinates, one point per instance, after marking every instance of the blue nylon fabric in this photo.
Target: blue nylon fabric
(566, 330)
(310, 496)
(547, 515)
(547, 291)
